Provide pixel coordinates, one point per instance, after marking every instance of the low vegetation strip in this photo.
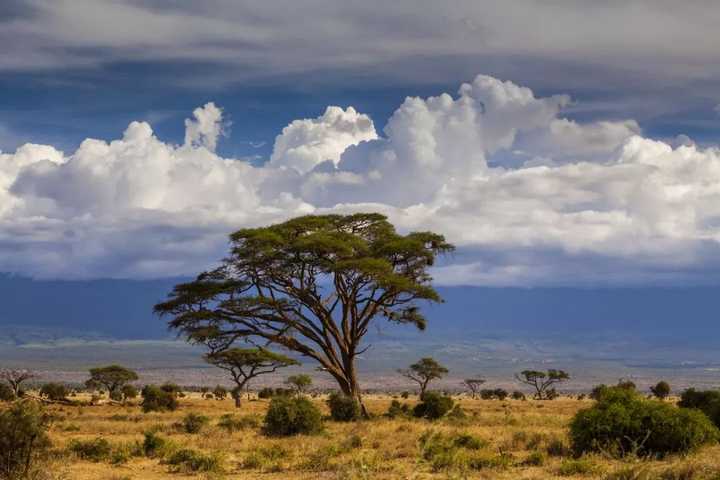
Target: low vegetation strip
(477, 438)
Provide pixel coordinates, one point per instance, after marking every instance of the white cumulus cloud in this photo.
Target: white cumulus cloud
(530, 197)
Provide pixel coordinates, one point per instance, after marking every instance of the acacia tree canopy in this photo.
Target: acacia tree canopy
(424, 371)
(299, 382)
(542, 381)
(473, 384)
(245, 364)
(15, 378)
(313, 285)
(112, 377)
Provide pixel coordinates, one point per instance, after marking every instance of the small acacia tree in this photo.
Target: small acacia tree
(112, 377)
(543, 381)
(244, 364)
(313, 285)
(661, 390)
(15, 378)
(473, 385)
(423, 372)
(300, 383)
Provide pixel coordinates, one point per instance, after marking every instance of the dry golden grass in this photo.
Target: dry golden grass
(518, 432)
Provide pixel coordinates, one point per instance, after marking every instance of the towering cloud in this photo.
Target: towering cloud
(529, 196)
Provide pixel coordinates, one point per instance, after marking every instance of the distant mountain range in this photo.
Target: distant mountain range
(123, 309)
(605, 333)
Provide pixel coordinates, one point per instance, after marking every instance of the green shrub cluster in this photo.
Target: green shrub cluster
(23, 439)
(459, 452)
(433, 406)
(397, 409)
(54, 391)
(269, 392)
(343, 408)
(188, 460)
(292, 416)
(95, 450)
(493, 393)
(194, 423)
(622, 422)
(157, 399)
(707, 401)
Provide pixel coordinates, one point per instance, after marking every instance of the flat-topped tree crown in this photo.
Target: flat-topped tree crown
(244, 364)
(112, 377)
(313, 285)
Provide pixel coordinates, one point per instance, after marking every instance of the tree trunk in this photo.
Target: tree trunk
(237, 401)
(349, 386)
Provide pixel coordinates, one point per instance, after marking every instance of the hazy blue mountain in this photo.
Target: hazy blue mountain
(64, 327)
(123, 309)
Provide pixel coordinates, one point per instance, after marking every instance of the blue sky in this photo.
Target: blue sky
(582, 149)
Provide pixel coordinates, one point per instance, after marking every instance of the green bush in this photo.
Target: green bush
(95, 450)
(54, 391)
(23, 439)
(190, 461)
(458, 451)
(291, 416)
(518, 395)
(193, 423)
(155, 399)
(707, 401)
(622, 423)
(535, 459)
(343, 408)
(397, 409)
(154, 444)
(6, 393)
(433, 406)
(129, 392)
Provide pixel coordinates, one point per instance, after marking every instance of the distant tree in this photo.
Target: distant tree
(155, 399)
(244, 364)
(543, 381)
(473, 385)
(113, 378)
(661, 390)
(300, 383)
(313, 285)
(172, 388)
(220, 392)
(423, 372)
(15, 379)
(54, 391)
(626, 384)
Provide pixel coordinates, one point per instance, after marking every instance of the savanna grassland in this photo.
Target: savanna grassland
(510, 439)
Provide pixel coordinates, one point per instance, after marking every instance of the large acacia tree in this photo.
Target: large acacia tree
(313, 285)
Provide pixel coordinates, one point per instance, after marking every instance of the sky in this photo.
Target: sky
(555, 143)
